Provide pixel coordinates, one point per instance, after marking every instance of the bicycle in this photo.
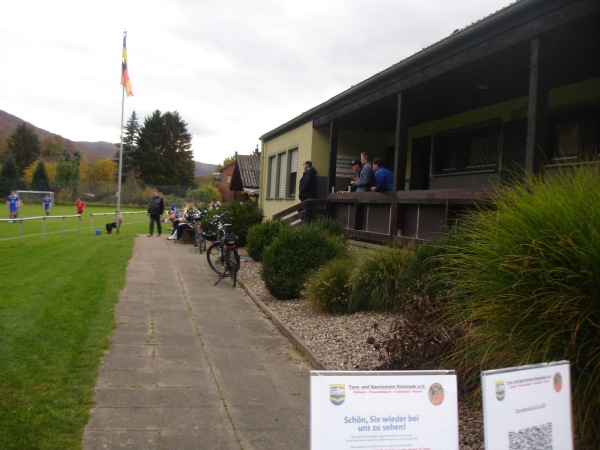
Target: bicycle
(196, 224)
(222, 255)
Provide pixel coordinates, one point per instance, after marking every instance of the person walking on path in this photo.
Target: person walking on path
(47, 202)
(80, 205)
(14, 203)
(156, 208)
(308, 182)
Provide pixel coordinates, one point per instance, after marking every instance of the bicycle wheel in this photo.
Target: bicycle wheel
(233, 264)
(213, 256)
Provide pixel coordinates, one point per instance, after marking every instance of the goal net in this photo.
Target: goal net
(35, 197)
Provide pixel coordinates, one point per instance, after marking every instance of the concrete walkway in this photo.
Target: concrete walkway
(195, 366)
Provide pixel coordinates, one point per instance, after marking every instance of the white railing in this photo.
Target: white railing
(69, 224)
(111, 216)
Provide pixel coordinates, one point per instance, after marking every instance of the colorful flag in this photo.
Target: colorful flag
(125, 81)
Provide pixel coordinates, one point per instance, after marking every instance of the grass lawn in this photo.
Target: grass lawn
(56, 312)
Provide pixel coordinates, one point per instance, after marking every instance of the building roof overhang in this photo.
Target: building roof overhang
(485, 63)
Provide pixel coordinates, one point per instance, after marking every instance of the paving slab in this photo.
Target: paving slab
(192, 365)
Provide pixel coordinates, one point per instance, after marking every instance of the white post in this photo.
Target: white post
(120, 154)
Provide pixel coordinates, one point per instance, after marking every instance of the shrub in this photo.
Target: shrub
(330, 226)
(524, 284)
(293, 254)
(241, 217)
(261, 235)
(379, 278)
(415, 340)
(329, 289)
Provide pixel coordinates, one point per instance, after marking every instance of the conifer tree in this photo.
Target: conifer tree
(130, 135)
(40, 180)
(9, 178)
(24, 145)
(163, 155)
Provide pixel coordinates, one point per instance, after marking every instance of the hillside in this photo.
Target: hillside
(93, 150)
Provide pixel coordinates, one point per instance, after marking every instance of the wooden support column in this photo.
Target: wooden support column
(401, 144)
(333, 144)
(537, 113)
(400, 157)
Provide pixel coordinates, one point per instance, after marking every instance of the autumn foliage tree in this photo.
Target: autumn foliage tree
(104, 171)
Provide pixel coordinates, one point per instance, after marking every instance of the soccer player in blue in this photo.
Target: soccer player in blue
(47, 203)
(13, 202)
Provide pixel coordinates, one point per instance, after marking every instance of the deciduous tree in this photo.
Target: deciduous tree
(104, 171)
(67, 175)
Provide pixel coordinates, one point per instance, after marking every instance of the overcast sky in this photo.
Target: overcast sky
(234, 70)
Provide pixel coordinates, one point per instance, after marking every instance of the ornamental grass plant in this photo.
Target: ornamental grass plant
(522, 282)
(328, 290)
(379, 280)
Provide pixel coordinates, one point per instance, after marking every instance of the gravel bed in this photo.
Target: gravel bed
(339, 341)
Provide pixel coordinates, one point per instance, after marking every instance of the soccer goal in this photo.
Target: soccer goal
(35, 196)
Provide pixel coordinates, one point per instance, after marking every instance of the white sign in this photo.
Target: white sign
(383, 410)
(343, 166)
(528, 406)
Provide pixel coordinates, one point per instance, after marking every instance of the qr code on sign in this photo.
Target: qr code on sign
(534, 438)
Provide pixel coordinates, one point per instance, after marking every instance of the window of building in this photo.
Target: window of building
(576, 137)
(272, 177)
(283, 169)
(282, 158)
(293, 169)
(468, 149)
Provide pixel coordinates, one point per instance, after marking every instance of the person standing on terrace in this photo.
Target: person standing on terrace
(366, 181)
(384, 177)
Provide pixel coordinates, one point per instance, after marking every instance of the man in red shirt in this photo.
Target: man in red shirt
(79, 204)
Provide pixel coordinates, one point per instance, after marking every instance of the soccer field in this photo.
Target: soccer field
(56, 313)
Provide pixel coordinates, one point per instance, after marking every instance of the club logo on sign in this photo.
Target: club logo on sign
(557, 382)
(436, 394)
(500, 390)
(337, 393)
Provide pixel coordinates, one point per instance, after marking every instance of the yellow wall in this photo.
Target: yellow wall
(586, 91)
(300, 138)
(354, 142)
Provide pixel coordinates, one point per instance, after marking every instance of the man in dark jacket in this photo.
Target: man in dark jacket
(156, 208)
(308, 182)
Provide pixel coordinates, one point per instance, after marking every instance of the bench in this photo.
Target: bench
(188, 236)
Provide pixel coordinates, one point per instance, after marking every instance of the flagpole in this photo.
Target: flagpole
(118, 214)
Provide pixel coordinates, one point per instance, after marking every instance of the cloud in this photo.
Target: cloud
(233, 70)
